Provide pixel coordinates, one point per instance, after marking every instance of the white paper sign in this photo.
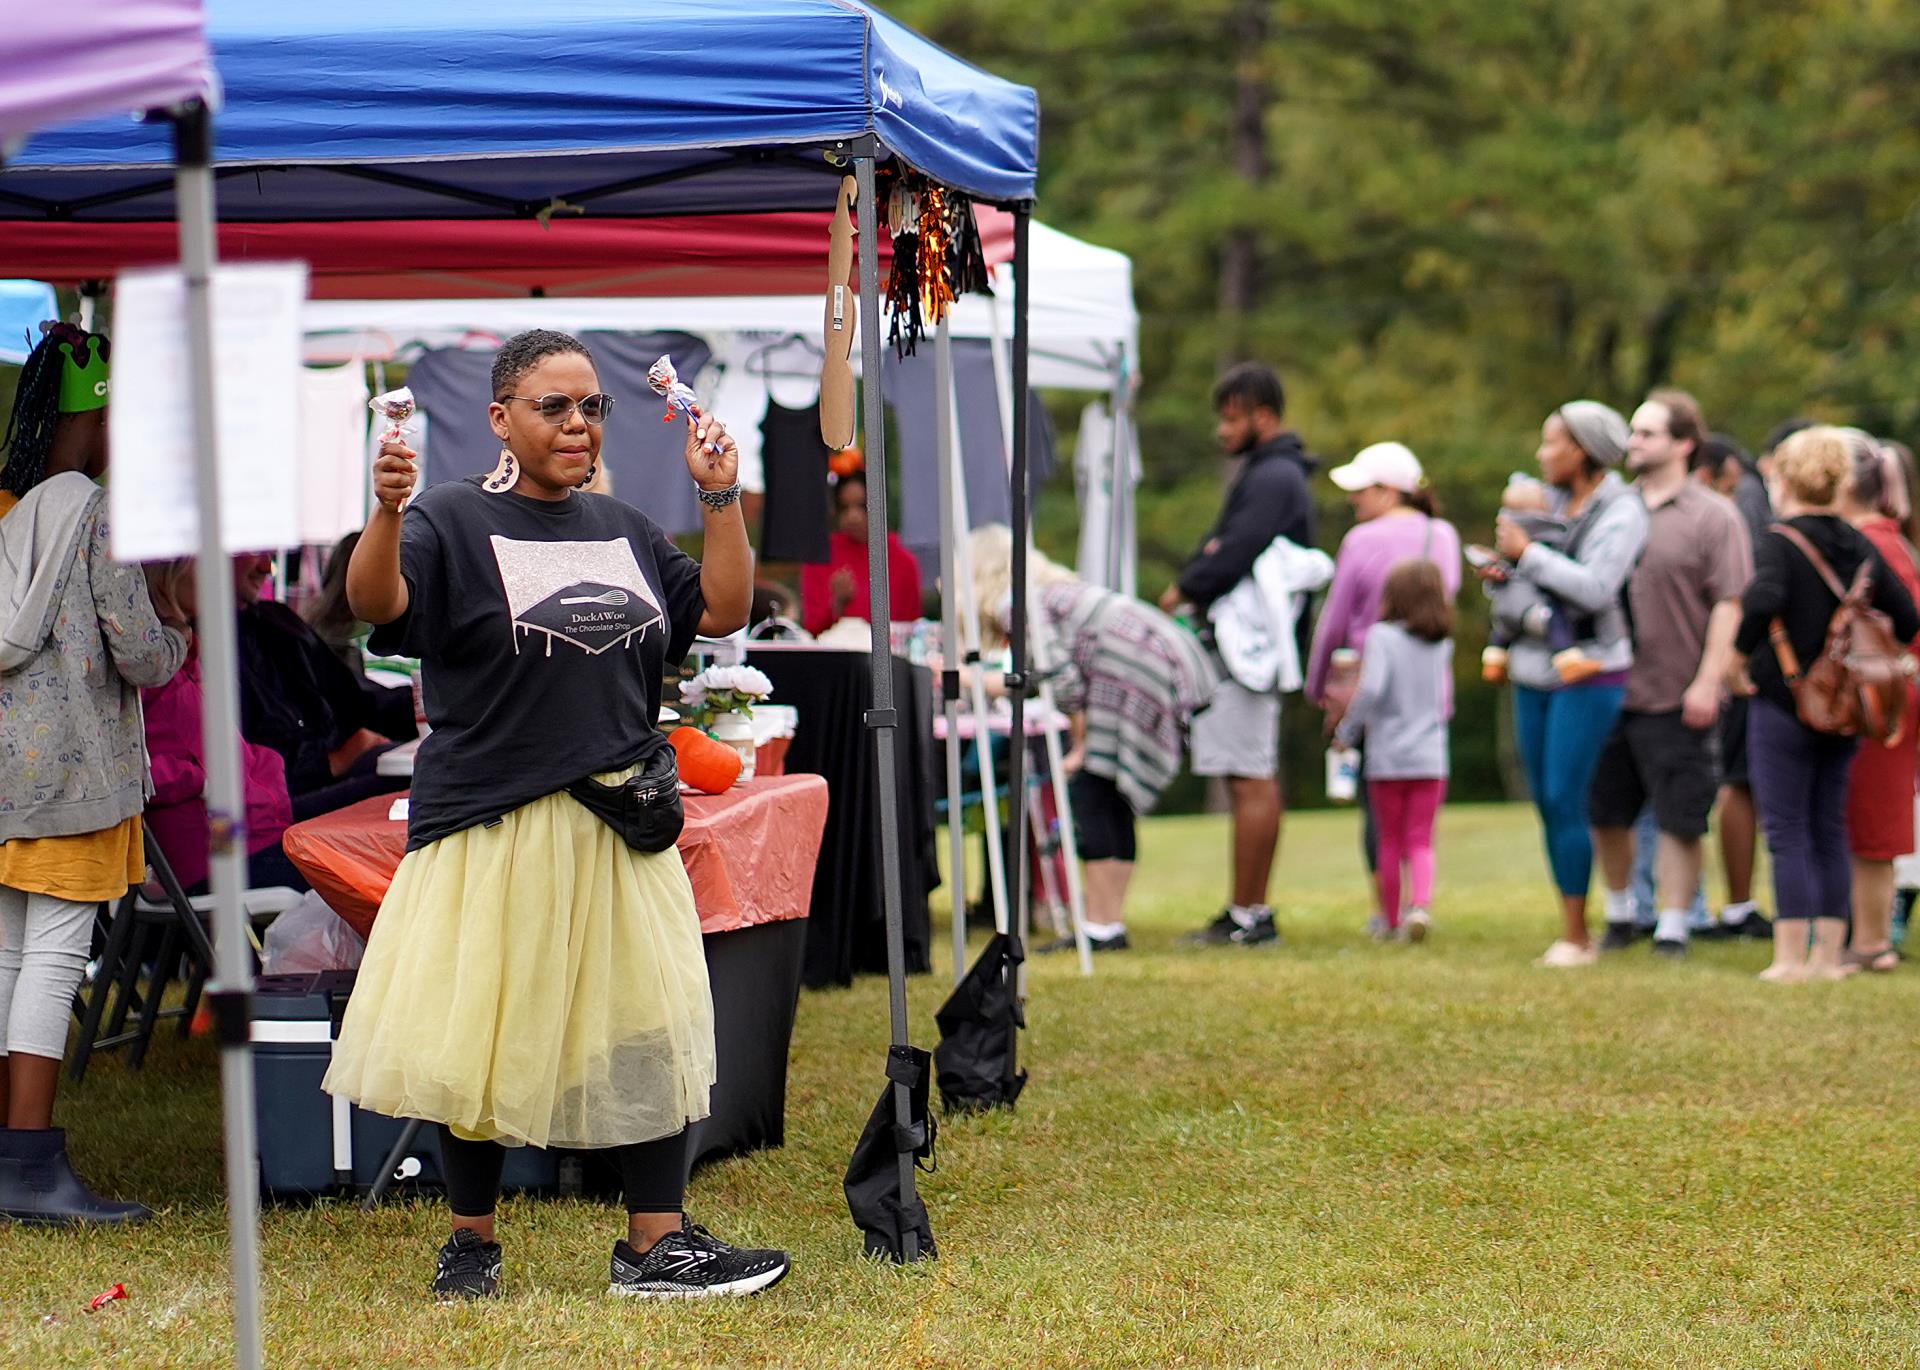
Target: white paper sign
(256, 363)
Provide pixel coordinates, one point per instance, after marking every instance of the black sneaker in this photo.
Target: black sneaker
(1755, 925)
(1221, 932)
(1669, 946)
(1620, 936)
(694, 1264)
(468, 1268)
(1264, 929)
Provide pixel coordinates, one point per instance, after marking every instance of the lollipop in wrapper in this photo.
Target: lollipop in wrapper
(667, 384)
(396, 407)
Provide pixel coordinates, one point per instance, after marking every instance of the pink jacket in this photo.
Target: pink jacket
(177, 813)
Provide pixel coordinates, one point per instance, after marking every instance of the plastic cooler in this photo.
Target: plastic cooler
(312, 1143)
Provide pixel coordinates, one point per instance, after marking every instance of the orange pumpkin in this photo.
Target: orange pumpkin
(706, 765)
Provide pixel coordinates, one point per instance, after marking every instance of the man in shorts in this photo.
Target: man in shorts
(1684, 602)
(1237, 736)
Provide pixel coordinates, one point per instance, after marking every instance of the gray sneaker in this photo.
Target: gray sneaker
(694, 1264)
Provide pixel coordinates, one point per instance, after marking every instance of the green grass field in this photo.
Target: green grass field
(1321, 1153)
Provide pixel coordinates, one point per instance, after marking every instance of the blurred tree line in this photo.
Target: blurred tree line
(1440, 220)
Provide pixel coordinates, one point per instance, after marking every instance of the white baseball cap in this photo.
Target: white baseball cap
(1391, 464)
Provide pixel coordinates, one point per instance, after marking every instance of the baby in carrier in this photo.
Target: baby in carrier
(1522, 609)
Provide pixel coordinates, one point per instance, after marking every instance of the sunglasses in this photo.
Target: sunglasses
(556, 408)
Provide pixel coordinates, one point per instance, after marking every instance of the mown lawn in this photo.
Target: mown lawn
(1321, 1153)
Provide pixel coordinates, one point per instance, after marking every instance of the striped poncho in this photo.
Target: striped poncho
(1137, 676)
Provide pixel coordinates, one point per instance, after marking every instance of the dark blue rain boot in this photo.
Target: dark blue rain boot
(38, 1186)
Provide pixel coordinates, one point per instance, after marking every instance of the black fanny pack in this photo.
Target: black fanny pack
(644, 809)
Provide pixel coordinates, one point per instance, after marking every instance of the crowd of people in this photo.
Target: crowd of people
(1662, 607)
(1682, 628)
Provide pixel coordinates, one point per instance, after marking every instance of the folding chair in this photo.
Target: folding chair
(147, 942)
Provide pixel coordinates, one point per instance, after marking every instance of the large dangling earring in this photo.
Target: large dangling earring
(593, 469)
(503, 473)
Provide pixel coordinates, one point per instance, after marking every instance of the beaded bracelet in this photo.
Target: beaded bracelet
(719, 499)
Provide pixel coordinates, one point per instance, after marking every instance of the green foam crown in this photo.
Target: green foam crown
(83, 376)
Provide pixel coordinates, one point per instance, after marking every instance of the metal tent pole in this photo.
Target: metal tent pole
(950, 644)
(1017, 671)
(969, 643)
(229, 994)
(882, 718)
(1056, 768)
(1119, 483)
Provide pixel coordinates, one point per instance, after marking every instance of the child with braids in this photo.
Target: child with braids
(79, 636)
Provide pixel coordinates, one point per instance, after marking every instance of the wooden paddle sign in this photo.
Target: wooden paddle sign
(843, 314)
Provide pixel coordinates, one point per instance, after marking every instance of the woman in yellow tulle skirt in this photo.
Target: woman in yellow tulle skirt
(531, 979)
(589, 1027)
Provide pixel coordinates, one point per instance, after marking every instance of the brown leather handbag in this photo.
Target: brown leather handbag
(1860, 683)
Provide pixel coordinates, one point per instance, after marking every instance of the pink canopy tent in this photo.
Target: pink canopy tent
(693, 255)
(64, 62)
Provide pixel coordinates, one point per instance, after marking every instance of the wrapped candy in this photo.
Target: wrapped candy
(668, 386)
(396, 407)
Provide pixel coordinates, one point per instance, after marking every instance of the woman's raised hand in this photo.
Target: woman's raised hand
(713, 459)
(393, 475)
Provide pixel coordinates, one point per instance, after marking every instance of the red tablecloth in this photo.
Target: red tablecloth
(750, 852)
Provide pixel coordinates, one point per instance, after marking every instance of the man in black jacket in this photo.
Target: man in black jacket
(1238, 735)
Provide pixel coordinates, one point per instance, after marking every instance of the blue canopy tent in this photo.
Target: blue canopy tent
(360, 110)
(483, 108)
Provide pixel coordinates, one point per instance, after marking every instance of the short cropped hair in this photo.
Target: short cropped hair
(1684, 419)
(524, 351)
(1253, 384)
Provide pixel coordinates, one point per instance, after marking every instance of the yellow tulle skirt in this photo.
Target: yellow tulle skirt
(537, 982)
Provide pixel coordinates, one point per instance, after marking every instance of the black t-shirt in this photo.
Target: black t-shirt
(544, 629)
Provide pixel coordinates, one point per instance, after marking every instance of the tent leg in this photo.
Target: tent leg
(229, 994)
(882, 720)
(1119, 485)
(1056, 768)
(950, 641)
(963, 641)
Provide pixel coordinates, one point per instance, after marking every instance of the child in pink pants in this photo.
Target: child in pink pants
(1399, 713)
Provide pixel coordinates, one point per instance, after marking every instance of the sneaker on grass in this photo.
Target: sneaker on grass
(1755, 925)
(468, 1268)
(1620, 936)
(1218, 933)
(1564, 955)
(694, 1264)
(1416, 925)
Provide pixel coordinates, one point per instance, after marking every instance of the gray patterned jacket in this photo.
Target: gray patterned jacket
(72, 755)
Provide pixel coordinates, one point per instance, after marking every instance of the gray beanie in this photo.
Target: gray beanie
(1598, 428)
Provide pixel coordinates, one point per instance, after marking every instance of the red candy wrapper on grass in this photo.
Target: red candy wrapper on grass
(99, 1301)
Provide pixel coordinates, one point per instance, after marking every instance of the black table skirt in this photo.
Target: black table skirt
(833, 690)
(755, 974)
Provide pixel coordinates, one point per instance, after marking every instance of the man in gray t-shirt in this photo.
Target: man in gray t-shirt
(1684, 600)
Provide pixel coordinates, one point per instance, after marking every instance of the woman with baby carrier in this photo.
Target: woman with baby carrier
(1561, 724)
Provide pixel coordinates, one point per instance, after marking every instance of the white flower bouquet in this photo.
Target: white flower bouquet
(723, 690)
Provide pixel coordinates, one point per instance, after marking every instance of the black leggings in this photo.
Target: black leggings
(1102, 818)
(653, 1175)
